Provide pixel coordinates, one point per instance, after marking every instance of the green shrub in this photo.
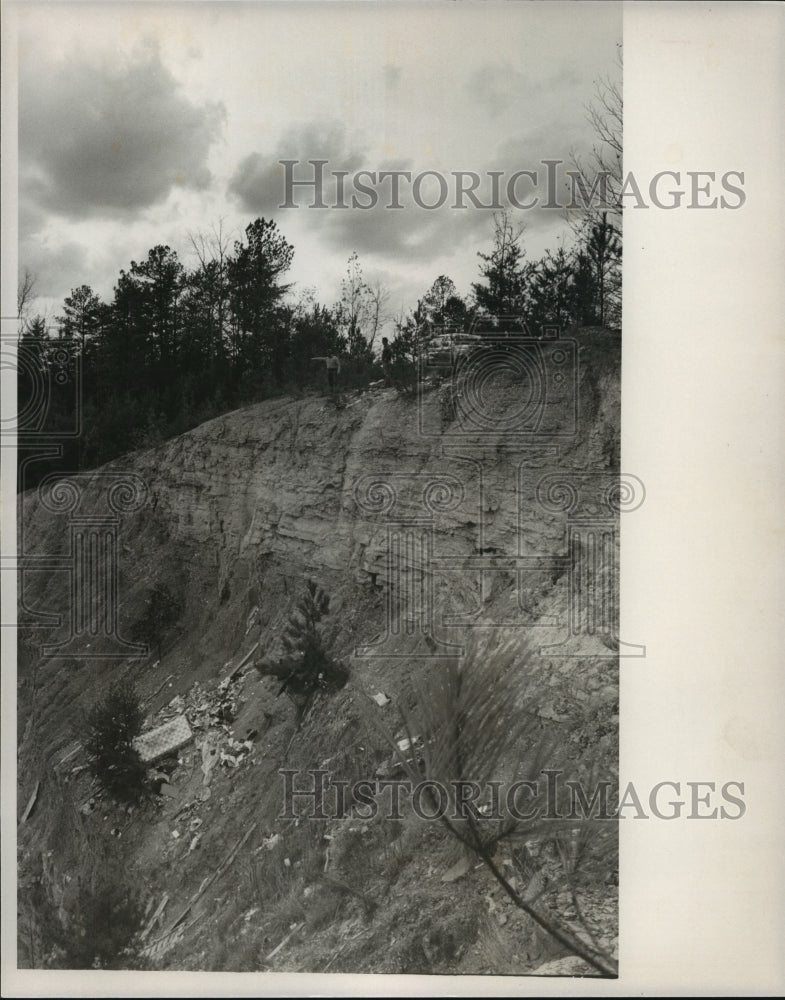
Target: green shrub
(110, 729)
(306, 668)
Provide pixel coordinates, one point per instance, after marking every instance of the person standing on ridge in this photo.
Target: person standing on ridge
(333, 371)
(386, 360)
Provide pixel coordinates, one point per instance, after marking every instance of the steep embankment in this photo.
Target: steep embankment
(411, 514)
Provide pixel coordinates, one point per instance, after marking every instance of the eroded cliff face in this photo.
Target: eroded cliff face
(423, 516)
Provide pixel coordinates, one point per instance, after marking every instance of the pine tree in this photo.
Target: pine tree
(110, 729)
(306, 667)
(501, 295)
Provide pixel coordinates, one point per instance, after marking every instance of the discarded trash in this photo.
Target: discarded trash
(175, 834)
(234, 673)
(68, 755)
(156, 916)
(158, 743)
(274, 952)
(287, 863)
(270, 842)
(160, 947)
(251, 619)
(31, 802)
(381, 699)
(209, 757)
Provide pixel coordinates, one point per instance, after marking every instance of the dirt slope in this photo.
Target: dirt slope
(233, 518)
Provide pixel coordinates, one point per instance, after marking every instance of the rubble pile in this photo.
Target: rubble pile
(210, 713)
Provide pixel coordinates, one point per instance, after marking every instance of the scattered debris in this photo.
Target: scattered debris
(70, 752)
(164, 740)
(206, 882)
(251, 619)
(395, 766)
(209, 757)
(158, 948)
(285, 941)
(344, 946)
(31, 802)
(239, 752)
(176, 705)
(234, 673)
(156, 916)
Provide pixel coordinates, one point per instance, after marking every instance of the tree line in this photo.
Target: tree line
(176, 346)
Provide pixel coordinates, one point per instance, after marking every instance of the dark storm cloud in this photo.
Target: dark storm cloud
(411, 232)
(102, 140)
(258, 185)
(408, 233)
(258, 182)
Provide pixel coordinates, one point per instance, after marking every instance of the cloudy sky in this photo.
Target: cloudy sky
(144, 123)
